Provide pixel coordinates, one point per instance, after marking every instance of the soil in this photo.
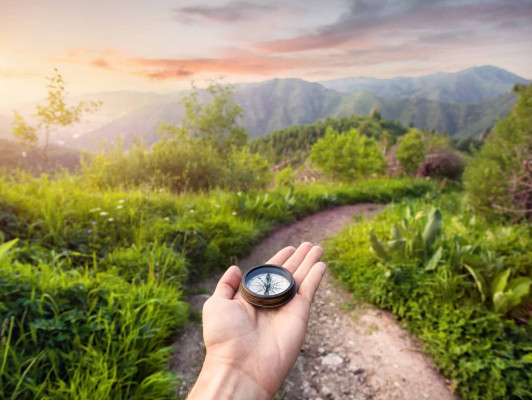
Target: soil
(352, 350)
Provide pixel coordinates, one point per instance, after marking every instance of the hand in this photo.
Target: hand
(251, 350)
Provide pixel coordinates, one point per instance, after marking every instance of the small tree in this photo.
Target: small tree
(375, 114)
(498, 179)
(347, 156)
(411, 150)
(55, 113)
(215, 121)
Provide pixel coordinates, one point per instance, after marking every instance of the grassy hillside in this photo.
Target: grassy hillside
(293, 144)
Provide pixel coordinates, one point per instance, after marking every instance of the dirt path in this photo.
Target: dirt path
(351, 351)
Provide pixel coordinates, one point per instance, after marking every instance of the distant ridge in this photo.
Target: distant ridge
(464, 103)
(467, 86)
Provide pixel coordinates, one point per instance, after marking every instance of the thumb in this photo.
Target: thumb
(228, 284)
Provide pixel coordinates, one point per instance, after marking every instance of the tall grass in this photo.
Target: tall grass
(92, 293)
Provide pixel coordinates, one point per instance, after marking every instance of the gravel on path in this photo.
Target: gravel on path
(351, 351)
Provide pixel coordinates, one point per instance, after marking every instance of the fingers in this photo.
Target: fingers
(311, 282)
(228, 284)
(295, 260)
(282, 255)
(311, 258)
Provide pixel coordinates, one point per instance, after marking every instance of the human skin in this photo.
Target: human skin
(251, 350)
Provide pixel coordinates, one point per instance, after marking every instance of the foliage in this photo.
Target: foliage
(213, 121)
(206, 151)
(55, 113)
(285, 177)
(91, 293)
(499, 178)
(348, 157)
(293, 144)
(411, 151)
(484, 354)
(442, 163)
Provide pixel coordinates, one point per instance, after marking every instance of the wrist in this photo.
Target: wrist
(220, 379)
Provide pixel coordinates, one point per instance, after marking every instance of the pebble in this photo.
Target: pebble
(332, 360)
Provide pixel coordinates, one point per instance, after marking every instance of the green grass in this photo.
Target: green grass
(92, 292)
(486, 355)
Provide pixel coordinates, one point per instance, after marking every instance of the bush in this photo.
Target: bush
(498, 179)
(442, 163)
(411, 151)
(285, 177)
(348, 156)
(426, 271)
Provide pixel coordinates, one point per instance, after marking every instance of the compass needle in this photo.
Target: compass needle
(268, 285)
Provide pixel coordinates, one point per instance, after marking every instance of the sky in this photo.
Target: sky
(163, 46)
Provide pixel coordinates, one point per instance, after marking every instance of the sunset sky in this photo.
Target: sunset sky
(164, 45)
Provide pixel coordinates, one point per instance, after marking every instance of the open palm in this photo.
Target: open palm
(262, 344)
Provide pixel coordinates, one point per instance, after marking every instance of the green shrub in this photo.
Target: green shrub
(285, 177)
(498, 179)
(411, 150)
(485, 355)
(348, 156)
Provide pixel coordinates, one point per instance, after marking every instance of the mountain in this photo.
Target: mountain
(467, 86)
(279, 103)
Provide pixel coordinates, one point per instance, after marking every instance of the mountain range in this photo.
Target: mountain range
(464, 103)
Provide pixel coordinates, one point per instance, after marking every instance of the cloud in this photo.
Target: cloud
(100, 63)
(234, 11)
(368, 20)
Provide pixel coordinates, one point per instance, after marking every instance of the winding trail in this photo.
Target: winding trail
(351, 351)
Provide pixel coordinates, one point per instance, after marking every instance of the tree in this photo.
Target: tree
(498, 179)
(375, 114)
(348, 156)
(55, 113)
(411, 150)
(214, 121)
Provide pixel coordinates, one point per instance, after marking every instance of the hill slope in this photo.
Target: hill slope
(279, 103)
(467, 86)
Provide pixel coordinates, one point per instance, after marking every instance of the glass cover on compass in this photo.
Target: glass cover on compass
(267, 282)
(268, 285)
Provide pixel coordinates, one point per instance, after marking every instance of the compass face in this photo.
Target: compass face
(268, 285)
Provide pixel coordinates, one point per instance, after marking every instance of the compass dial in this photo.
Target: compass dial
(268, 285)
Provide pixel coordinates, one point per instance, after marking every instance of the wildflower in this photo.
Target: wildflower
(120, 201)
(103, 213)
(92, 210)
(110, 219)
(119, 207)
(167, 219)
(89, 231)
(94, 222)
(217, 205)
(192, 211)
(234, 212)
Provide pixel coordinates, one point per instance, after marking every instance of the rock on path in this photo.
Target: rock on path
(351, 351)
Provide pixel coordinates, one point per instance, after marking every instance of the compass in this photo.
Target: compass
(268, 285)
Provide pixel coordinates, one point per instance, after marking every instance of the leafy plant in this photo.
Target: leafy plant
(417, 243)
(505, 294)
